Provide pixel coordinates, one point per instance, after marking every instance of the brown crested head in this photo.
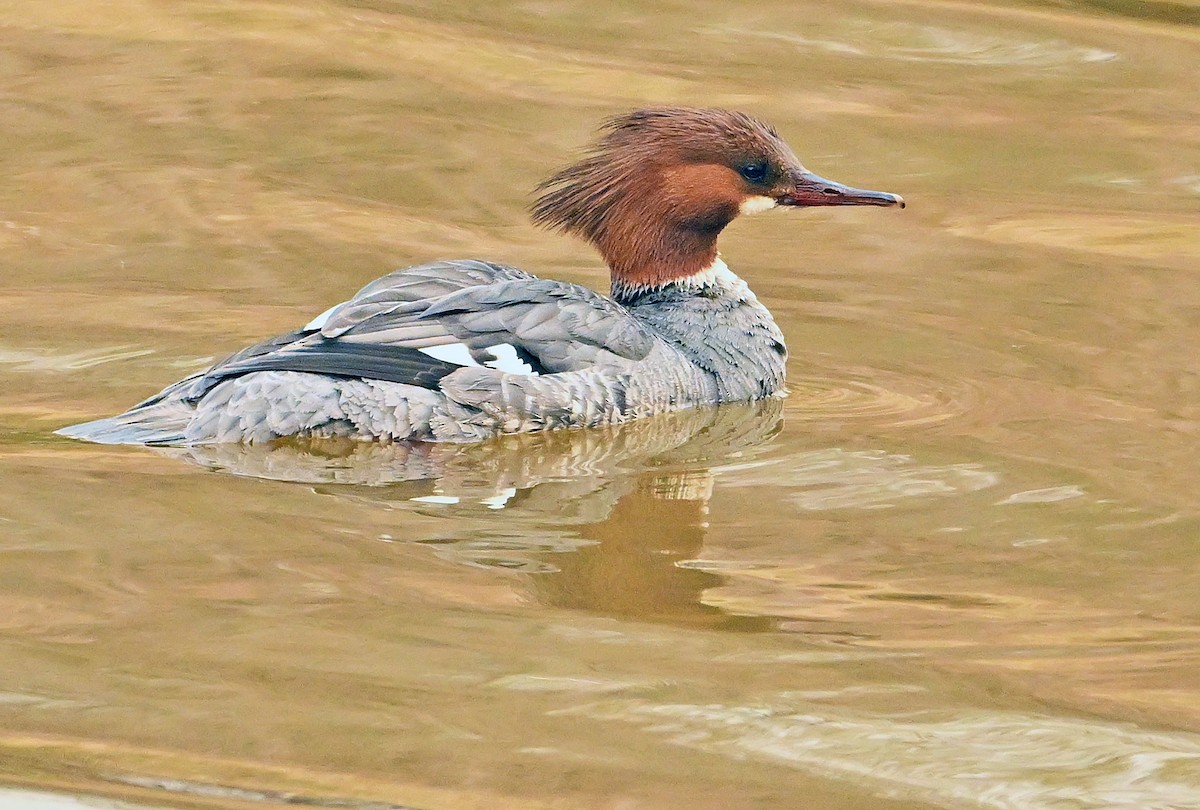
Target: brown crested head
(658, 186)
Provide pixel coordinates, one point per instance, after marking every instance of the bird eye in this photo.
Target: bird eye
(753, 172)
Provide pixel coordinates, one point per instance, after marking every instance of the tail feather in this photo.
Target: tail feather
(153, 422)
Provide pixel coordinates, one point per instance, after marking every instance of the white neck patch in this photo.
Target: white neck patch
(756, 204)
(717, 273)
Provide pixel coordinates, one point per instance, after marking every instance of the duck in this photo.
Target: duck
(464, 350)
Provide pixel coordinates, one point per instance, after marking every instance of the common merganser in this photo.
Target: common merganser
(459, 351)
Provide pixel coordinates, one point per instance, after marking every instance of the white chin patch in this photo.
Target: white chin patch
(753, 205)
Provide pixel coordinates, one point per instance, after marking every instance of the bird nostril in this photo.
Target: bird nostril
(829, 192)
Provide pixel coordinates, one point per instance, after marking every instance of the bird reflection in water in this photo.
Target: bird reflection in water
(599, 519)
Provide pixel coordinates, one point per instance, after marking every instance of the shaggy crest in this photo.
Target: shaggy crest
(580, 198)
(629, 197)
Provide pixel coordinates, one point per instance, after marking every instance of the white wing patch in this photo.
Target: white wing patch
(456, 353)
(507, 360)
(320, 321)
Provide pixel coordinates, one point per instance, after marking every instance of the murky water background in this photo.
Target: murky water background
(956, 568)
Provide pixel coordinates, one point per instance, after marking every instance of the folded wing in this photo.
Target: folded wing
(418, 325)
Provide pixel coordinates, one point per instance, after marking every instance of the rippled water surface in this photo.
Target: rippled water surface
(957, 567)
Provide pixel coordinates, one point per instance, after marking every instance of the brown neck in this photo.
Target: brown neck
(656, 256)
(648, 252)
(653, 194)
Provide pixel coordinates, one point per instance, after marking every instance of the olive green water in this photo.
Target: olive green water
(958, 567)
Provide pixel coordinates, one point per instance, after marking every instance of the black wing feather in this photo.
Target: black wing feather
(337, 358)
(553, 327)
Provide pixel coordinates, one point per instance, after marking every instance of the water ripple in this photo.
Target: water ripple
(982, 758)
(207, 790)
(912, 42)
(48, 360)
(878, 396)
(863, 479)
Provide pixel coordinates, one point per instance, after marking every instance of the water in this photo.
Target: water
(955, 568)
